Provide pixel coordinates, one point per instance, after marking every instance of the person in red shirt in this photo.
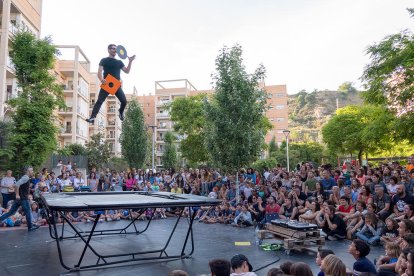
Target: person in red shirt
(344, 207)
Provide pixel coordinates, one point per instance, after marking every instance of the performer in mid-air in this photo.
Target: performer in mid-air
(110, 65)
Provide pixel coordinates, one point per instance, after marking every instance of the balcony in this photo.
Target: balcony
(110, 136)
(67, 109)
(162, 103)
(111, 110)
(67, 130)
(163, 115)
(111, 123)
(13, 29)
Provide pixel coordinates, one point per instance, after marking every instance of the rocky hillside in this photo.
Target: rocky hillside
(308, 112)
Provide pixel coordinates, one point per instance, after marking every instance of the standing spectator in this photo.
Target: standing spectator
(359, 250)
(241, 266)
(93, 182)
(7, 188)
(22, 199)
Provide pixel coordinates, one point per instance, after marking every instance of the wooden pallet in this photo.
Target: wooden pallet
(293, 239)
(292, 233)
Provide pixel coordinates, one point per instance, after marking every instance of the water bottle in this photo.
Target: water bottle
(258, 241)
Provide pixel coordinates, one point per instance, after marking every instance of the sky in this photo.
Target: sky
(305, 44)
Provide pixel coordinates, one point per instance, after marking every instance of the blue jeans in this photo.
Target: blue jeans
(26, 209)
(7, 198)
(371, 239)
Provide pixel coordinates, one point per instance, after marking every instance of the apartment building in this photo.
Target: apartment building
(277, 112)
(155, 113)
(14, 15)
(75, 77)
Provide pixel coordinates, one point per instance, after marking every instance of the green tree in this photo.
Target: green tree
(169, 157)
(273, 147)
(34, 132)
(361, 129)
(5, 151)
(134, 139)
(98, 151)
(189, 120)
(347, 88)
(389, 79)
(77, 149)
(235, 127)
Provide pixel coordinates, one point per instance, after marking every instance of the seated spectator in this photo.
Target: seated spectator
(285, 267)
(335, 196)
(333, 266)
(355, 220)
(220, 267)
(408, 213)
(241, 266)
(320, 255)
(275, 272)
(405, 227)
(371, 231)
(271, 211)
(365, 194)
(300, 269)
(310, 211)
(400, 199)
(359, 250)
(344, 207)
(334, 226)
(382, 201)
(287, 210)
(244, 218)
(390, 231)
(386, 263)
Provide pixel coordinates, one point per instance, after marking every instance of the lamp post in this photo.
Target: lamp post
(153, 127)
(286, 133)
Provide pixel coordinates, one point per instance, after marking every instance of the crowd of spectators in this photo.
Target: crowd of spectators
(373, 204)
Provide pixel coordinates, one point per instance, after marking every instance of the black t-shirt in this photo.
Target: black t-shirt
(340, 225)
(24, 190)
(111, 66)
(400, 202)
(380, 202)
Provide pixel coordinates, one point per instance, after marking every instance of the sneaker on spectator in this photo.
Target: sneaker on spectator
(332, 238)
(108, 219)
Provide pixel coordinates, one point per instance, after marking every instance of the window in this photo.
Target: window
(280, 106)
(280, 95)
(280, 119)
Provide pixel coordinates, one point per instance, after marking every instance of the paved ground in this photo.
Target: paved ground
(35, 253)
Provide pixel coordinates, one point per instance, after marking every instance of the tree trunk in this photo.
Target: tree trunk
(360, 157)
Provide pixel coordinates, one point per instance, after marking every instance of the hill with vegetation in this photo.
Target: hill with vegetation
(309, 111)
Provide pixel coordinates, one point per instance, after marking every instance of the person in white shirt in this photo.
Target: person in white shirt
(78, 181)
(7, 189)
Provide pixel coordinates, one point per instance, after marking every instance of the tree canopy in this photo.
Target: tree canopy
(360, 129)
(189, 120)
(236, 126)
(389, 77)
(98, 151)
(169, 157)
(33, 136)
(134, 138)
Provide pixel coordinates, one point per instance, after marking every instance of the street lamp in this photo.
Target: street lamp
(153, 127)
(286, 133)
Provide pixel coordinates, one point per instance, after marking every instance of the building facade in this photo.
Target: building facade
(157, 114)
(15, 15)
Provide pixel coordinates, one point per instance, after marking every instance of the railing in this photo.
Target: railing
(163, 115)
(66, 109)
(68, 130)
(111, 123)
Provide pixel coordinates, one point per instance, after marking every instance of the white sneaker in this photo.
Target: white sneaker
(108, 219)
